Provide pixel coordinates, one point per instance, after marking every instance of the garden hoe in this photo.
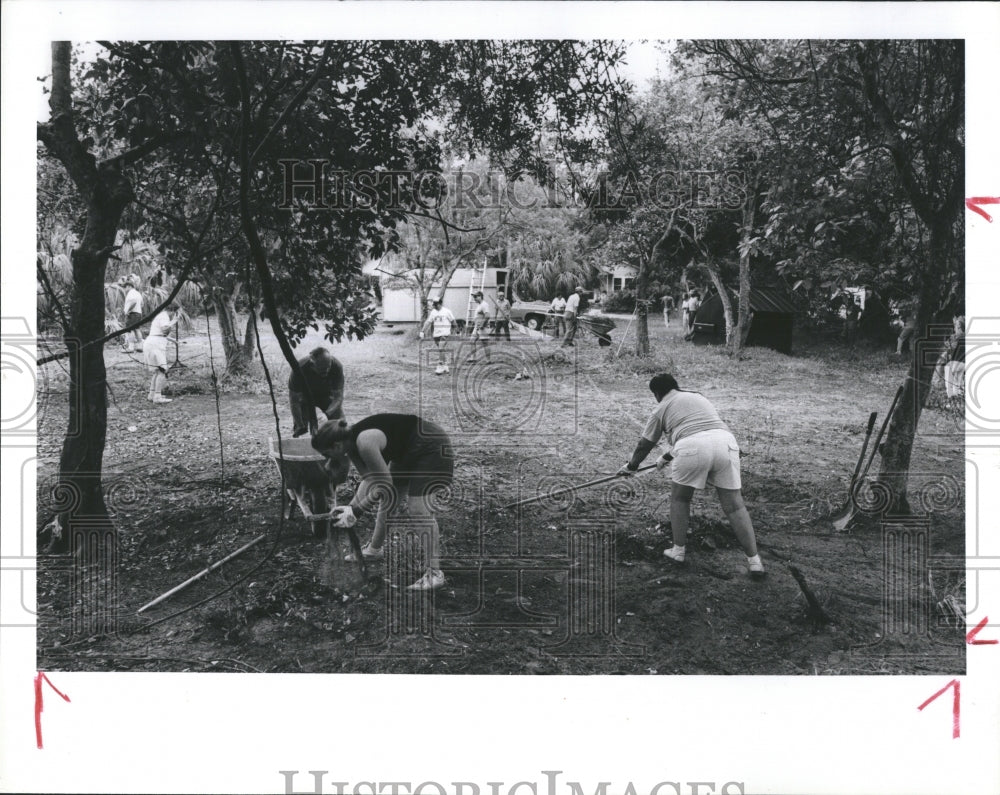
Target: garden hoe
(844, 516)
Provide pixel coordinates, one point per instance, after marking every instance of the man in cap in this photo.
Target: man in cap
(441, 321)
(572, 310)
(480, 319)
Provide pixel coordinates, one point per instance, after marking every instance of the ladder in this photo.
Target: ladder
(470, 314)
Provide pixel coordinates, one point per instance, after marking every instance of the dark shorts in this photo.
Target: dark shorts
(428, 465)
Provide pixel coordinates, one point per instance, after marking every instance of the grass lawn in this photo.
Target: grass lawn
(575, 584)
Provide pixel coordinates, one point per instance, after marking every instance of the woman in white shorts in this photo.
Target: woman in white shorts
(703, 452)
(154, 350)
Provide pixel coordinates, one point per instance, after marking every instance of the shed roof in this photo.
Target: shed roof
(763, 299)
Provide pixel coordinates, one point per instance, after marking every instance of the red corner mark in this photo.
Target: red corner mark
(971, 637)
(956, 705)
(39, 678)
(973, 203)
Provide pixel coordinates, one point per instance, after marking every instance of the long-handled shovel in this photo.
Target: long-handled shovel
(847, 510)
(568, 489)
(844, 516)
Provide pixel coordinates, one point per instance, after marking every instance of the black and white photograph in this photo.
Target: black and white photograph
(640, 361)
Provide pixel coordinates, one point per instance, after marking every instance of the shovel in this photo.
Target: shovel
(844, 516)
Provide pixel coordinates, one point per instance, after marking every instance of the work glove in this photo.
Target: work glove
(421, 335)
(664, 461)
(343, 516)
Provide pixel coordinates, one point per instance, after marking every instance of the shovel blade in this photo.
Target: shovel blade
(842, 518)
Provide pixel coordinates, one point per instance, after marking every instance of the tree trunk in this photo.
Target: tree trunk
(898, 447)
(744, 317)
(249, 335)
(84, 527)
(232, 346)
(641, 323)
(727, 304)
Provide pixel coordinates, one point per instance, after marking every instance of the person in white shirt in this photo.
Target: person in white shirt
(132, 310)
(154, 350)
(441, 322)
(480, 320)
(558, 307)
(572, 309)
(703, 452)
(693, 303)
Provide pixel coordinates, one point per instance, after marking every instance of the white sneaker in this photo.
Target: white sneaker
(438, 370)
(368, 552)
(756, 568)
(444, 368)
(161, 399)
(432, 579)
(674, 554)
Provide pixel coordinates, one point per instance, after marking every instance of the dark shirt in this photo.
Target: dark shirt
(322, 388)
(399, 429)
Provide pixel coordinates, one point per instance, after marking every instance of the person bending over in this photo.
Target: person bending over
(154, 350)
(702, 452)
(324, 377)
(396, 455)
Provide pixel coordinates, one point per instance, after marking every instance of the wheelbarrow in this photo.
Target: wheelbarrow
(312, 486)
(598, 325)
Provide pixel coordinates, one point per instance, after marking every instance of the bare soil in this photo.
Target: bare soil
(569, 585)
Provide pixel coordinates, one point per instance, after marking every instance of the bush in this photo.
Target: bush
(621, 302)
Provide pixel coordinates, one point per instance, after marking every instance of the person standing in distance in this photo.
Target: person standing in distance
(132, 309)
(702, 452)
(558, 308)
(572, 310)
(480, 319)
(441, 322)
(324, 377)
(503, 317)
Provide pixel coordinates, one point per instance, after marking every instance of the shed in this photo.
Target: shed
(401, 294)
(772, 324)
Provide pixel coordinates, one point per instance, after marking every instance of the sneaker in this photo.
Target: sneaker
(444, 368)
(438, 370)
(756, 569)
(432, 579)
(674, 555)
(161, 399)
(368, 552)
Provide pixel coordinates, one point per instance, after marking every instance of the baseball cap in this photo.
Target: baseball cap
(579, 289)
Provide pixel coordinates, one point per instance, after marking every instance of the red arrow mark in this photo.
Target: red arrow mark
(39, 678)
(971, 637)
(956, 705)
(973, 203)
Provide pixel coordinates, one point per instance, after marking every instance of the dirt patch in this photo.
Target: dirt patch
(576, 585)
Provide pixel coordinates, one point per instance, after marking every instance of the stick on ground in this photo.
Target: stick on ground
(815, 608)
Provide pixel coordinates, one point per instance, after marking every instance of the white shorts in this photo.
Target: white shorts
(709, 457)
(154, 351)
(479, 330)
